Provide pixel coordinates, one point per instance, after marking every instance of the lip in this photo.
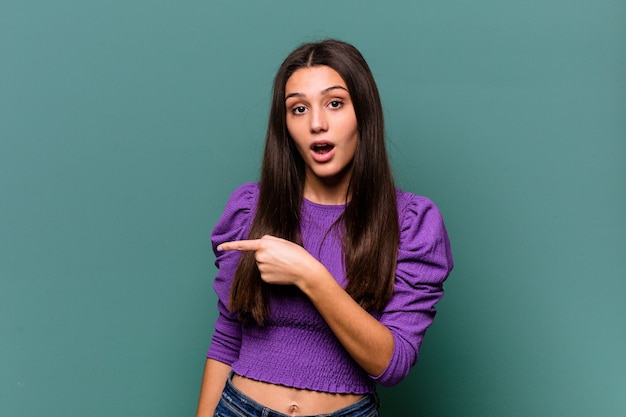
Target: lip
(327, 155)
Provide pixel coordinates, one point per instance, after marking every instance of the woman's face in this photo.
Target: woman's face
(321, 121)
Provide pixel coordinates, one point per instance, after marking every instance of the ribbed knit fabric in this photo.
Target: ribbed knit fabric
(297, 348)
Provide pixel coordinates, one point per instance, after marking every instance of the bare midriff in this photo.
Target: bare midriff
(293, 401)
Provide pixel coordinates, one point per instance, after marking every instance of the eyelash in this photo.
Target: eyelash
(339, 104)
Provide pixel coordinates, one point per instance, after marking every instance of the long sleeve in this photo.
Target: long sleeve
(234, 224)
(424, 263)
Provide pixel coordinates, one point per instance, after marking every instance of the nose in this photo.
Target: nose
(318, 122)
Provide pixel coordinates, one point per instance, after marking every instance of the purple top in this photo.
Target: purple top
(297, 348)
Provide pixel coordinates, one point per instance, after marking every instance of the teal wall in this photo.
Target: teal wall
(124, 125)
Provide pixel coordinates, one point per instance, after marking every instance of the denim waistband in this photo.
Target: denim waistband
(243, 406)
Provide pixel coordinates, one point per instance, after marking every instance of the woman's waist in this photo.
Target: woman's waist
(293, 401)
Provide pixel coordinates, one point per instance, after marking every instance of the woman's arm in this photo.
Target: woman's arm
(213, 382)
(368, 341)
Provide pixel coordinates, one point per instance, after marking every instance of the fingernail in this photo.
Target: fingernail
(219, 248)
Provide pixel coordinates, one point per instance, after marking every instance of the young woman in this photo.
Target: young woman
(328, 275)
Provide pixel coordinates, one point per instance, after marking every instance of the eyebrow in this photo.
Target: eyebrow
(324, 91)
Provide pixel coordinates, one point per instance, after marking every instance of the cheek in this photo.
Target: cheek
(353, 133)
(350, 127)
(294, 129)
(294, 139)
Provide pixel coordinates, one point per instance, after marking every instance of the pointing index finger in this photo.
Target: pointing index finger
(252, 245)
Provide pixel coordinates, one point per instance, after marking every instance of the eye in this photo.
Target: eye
(335, 104)
(298, 110)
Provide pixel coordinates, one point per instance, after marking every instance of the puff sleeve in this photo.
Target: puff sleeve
(424, 262)
(234, 224)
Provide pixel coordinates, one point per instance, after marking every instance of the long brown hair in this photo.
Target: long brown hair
(370, 221)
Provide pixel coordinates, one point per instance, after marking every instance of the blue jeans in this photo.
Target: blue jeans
(234, 403)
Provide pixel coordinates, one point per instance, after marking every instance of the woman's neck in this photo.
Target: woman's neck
(327, 194)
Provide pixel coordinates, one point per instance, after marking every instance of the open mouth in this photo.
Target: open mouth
(322, 148)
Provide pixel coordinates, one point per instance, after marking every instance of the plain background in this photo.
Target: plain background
(125, 125)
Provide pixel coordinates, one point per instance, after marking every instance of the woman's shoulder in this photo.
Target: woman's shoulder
(243, 200)
(245, 194)
(413, 203)
(419, 216)
(238, 212)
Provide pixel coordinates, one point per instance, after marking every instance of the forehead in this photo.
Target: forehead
(311, 80)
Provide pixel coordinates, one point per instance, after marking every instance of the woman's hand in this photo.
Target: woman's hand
(279, 261)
